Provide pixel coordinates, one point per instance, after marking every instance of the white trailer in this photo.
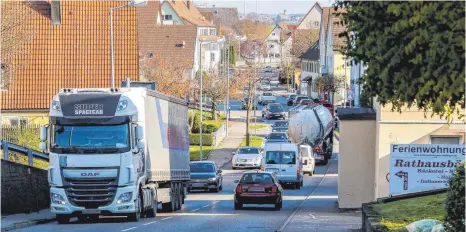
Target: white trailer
(116, 152)
(313, 125)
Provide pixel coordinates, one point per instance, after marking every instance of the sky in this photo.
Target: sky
(265, 6)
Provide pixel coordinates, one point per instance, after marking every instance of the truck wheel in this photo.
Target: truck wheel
(63, 219)
(170, 206)
(298, 185)
(134, 217)
(152, 212)
(180, 197)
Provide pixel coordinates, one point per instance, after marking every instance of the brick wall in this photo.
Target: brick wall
(24, 189)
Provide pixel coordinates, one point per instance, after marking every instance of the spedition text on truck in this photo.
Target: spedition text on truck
(116, 152)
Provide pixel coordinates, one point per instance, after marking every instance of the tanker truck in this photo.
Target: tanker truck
(116, 152)
(313, 125)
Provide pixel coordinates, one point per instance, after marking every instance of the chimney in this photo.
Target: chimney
(56, 12)
(188, 4)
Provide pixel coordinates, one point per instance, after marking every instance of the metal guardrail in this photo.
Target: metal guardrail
(7, 147)
(196, 106)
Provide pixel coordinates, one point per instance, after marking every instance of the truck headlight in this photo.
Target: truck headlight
(57, 199)
(125, 197)
(56, 106)
(212, 179)
(122, 105)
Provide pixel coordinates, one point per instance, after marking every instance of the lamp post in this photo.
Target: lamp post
(135, 3)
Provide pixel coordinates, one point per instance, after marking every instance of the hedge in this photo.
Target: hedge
(455, 216)
(207, 139)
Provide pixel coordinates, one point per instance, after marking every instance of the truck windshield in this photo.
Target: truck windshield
(94, 137)
(280, 157)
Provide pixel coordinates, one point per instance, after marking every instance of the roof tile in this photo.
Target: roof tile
(191, 14)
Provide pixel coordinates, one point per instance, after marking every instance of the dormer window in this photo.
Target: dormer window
(167, 17)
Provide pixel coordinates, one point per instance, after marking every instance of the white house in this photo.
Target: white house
(312, 19)
(186, 13)
(310, 71)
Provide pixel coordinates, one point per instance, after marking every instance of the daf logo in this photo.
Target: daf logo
(89, 174)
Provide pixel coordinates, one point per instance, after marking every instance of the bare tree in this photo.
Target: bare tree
(15, 16)
(330, 83)
(302, 41)
(254, 30)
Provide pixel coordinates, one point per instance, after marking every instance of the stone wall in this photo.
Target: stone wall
(24, 189)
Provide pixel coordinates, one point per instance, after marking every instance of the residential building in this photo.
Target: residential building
(223, 17)
(273, 45)
(186, 13)
(310, 71)
(312, 19)
(70, 49)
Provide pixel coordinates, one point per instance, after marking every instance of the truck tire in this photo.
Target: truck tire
(63, 218)
(152, 212)
(180, 196)
(170, 206)
(134, 217)
(298, 185)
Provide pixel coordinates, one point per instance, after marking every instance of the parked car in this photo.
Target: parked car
(280, 126)
(277, 137)
(284, 160)
(245, 157)
(258, 187)
(305, 101)
(206, 176)
(268, 69)
(244, 104)
(289, 100)
(267, 97)
(309, 162)
(265, 85)
(273, 110)
(299, 98)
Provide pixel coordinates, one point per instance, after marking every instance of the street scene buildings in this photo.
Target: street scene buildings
(211, 116)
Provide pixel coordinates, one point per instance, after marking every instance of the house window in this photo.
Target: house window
(273, 33)
(150, 55)
(167, 17)
(212, 57)
(212, 32)
(271, 46)
(18, 121)
(445, 139)
(204, 31)
(315, 24)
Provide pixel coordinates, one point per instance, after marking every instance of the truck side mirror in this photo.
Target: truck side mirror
(139, 133)
(42, 146)
(43, 133)
(140, 145)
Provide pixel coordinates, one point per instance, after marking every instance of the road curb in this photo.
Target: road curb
(295, 211)
(20, 225)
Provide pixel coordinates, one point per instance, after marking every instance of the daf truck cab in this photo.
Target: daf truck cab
(116, 152)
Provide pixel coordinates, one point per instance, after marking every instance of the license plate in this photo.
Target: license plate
(319, 157)
(198, 184)
(256, 190)
(91, 211)
(271, 169)
(244, 160)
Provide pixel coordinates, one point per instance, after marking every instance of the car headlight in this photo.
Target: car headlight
(57, 199)
(56, 106)
(122, 105)
(212, 179)
(257, 159)
(125, 197)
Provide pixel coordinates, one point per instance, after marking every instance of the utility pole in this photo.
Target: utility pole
(200, 73)
(228, 85)
(254, 95)
(344, 91)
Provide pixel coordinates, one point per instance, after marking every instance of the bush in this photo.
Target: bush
(455, 218)
(209, 128)
(207, 139)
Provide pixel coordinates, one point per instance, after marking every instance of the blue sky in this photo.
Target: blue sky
(265, 6)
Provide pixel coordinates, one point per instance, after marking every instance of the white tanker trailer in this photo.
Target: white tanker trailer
(313, 125)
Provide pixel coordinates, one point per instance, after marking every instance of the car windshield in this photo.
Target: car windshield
(293, 97)
(277, 136)
(265, 83)
(306, 101)
(280, 157)
(201, 167)
(98, 136)
(256, 178)
(249, 150)
(280, 123)
(267, 94)
(275, 108)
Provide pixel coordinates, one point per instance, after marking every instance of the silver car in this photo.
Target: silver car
(247, 157)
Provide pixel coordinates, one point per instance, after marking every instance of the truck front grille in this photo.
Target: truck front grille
(91, 193)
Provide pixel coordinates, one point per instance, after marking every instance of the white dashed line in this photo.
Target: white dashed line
(194, 210)
(132, 228)
(166, 218)
(215, 202)
(205, 206)
(149, 223)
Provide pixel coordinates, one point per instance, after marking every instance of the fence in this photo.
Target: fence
(19, 134)
(219, 135)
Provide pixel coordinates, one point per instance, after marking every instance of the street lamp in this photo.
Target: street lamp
(135, 3)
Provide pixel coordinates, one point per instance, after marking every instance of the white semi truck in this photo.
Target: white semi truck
(313, 125)
(116, 152)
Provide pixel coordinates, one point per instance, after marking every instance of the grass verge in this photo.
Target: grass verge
(258, 126)
(396, 215)
(195, 152)
(254, 141)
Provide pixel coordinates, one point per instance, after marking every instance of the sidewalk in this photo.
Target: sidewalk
(17, 221)
(222, 155)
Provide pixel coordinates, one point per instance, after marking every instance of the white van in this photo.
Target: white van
(309, 163)
(285, 161)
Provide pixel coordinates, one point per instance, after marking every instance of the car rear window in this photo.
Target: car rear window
(277, 136)
(281, 124)
(201, 167)
(256, 178)
(280, 157)
(248, 151)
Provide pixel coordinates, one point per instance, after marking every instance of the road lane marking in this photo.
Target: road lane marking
(165, 218)
(132, 228)
(312, 215)
(194, 210)
(295, 211)
(215, 202)
(149, 223)
(205, 206)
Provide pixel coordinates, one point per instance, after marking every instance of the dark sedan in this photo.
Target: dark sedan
(280, 126)
(297, 99)
(273, 110)
(206, 176)
(278, 137)
(258, 187)
(290, 99)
